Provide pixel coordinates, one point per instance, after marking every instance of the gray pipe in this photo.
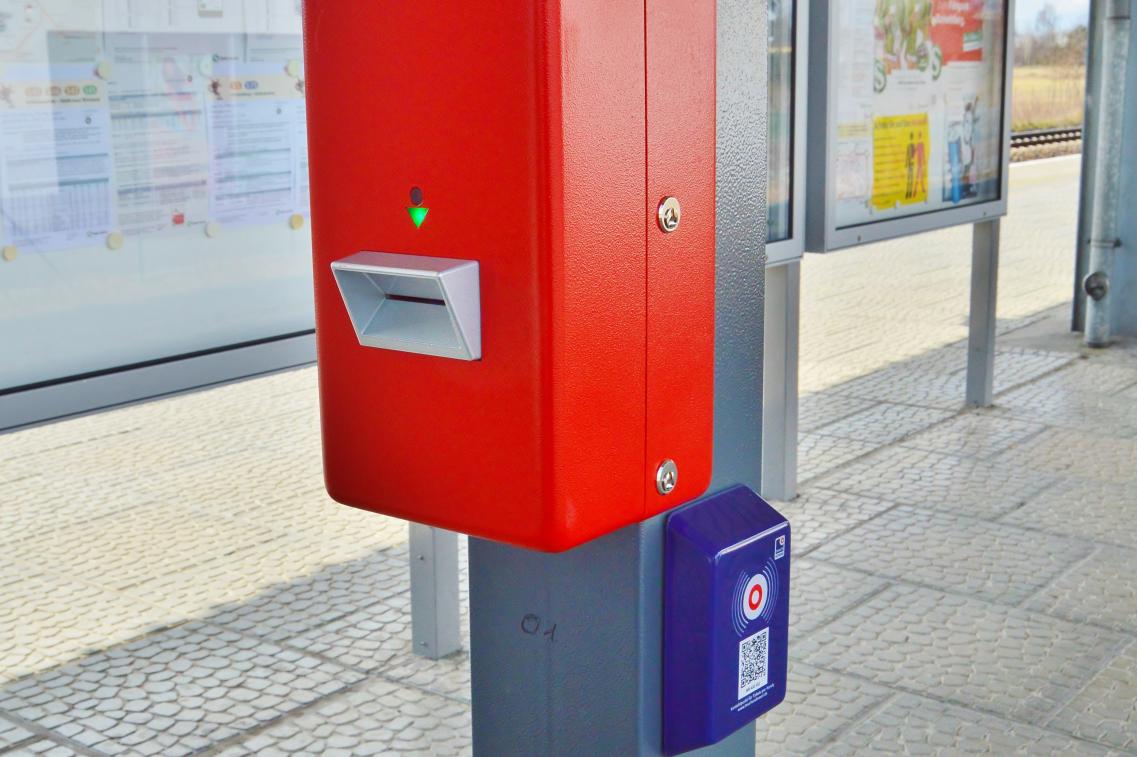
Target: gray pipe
(1104, 239)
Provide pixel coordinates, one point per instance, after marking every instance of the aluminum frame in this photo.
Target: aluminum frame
(79, 395)
(822, 233)
(789, 250)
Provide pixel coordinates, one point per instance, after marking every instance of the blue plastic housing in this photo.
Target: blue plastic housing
(726, 617)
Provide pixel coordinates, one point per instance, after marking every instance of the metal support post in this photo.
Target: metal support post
(1107, 173)
(984, 297)
(780, 393)
(566, 649)
(435, 626)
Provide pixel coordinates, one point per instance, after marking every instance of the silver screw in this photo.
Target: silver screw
(667, 477)
(670, 214)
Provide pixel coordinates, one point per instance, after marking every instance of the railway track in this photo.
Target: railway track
(1036, 137)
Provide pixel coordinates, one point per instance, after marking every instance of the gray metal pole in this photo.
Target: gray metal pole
(1086, 181)
(566, 649)
(984, 298)
(435, 625)
(1107, 172)
(780, 394)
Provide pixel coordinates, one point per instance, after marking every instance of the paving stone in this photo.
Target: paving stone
(914, 387)
(1007, 326)
(138, 544)
(287, 609)
(822, 408)
(818, 454)
(820, 592)
(885, 423)
(43, 748)
(1048, 401)
(314, 515)
(938, 379)
(449, 677)
(1074, 453)
(35, 505)
(958, 555)
(978, 433)
(282, 588)
(1015, 367)
(134, 456)
(915, 725)
(1087, 376)
(368, 721)
(66, 434)
(818, 704)
(377, 639)
(1105, 512)
(959, 486)
(1106, 710)
(1002, 660)
(818, 515)
(149, 665)
(246, 484)
(1101, 590)
(11, 734)
(46, 620)
(12, 472)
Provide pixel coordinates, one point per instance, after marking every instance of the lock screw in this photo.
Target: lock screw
(667, 477)
(670, 214)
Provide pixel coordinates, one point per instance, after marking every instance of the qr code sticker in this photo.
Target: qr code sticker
(753, 663)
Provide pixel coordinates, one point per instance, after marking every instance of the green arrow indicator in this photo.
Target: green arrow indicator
(418, 215)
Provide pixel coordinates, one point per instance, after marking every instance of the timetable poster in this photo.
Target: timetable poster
(157, 110)
(919, 106)
(127, 119)
(56, 169)
(258, 146)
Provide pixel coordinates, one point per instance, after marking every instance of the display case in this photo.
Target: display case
(908, 117)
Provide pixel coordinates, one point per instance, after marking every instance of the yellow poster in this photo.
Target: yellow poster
(900, 160)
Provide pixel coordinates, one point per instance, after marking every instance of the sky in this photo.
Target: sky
(1070, 12)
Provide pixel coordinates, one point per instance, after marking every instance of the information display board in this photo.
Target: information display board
(908, 117)
(153, 181)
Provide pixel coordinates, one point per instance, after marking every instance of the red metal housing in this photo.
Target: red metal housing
(543, 136)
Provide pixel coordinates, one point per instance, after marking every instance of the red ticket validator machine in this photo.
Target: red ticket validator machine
(513, 214)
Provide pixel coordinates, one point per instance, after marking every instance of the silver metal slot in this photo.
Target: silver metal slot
(412, 303)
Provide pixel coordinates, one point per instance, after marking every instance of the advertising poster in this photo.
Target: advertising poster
(900, 160)
(919, 106)
(957, 33)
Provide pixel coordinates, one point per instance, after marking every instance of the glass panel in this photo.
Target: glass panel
(781, 136)
(919, 89)
(153, 181)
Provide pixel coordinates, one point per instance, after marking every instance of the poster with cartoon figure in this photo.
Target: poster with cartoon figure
(900, 160)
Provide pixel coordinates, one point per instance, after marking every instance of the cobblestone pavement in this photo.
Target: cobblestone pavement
(174, 581)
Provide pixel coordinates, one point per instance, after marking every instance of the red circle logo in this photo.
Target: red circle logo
(755, 598)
